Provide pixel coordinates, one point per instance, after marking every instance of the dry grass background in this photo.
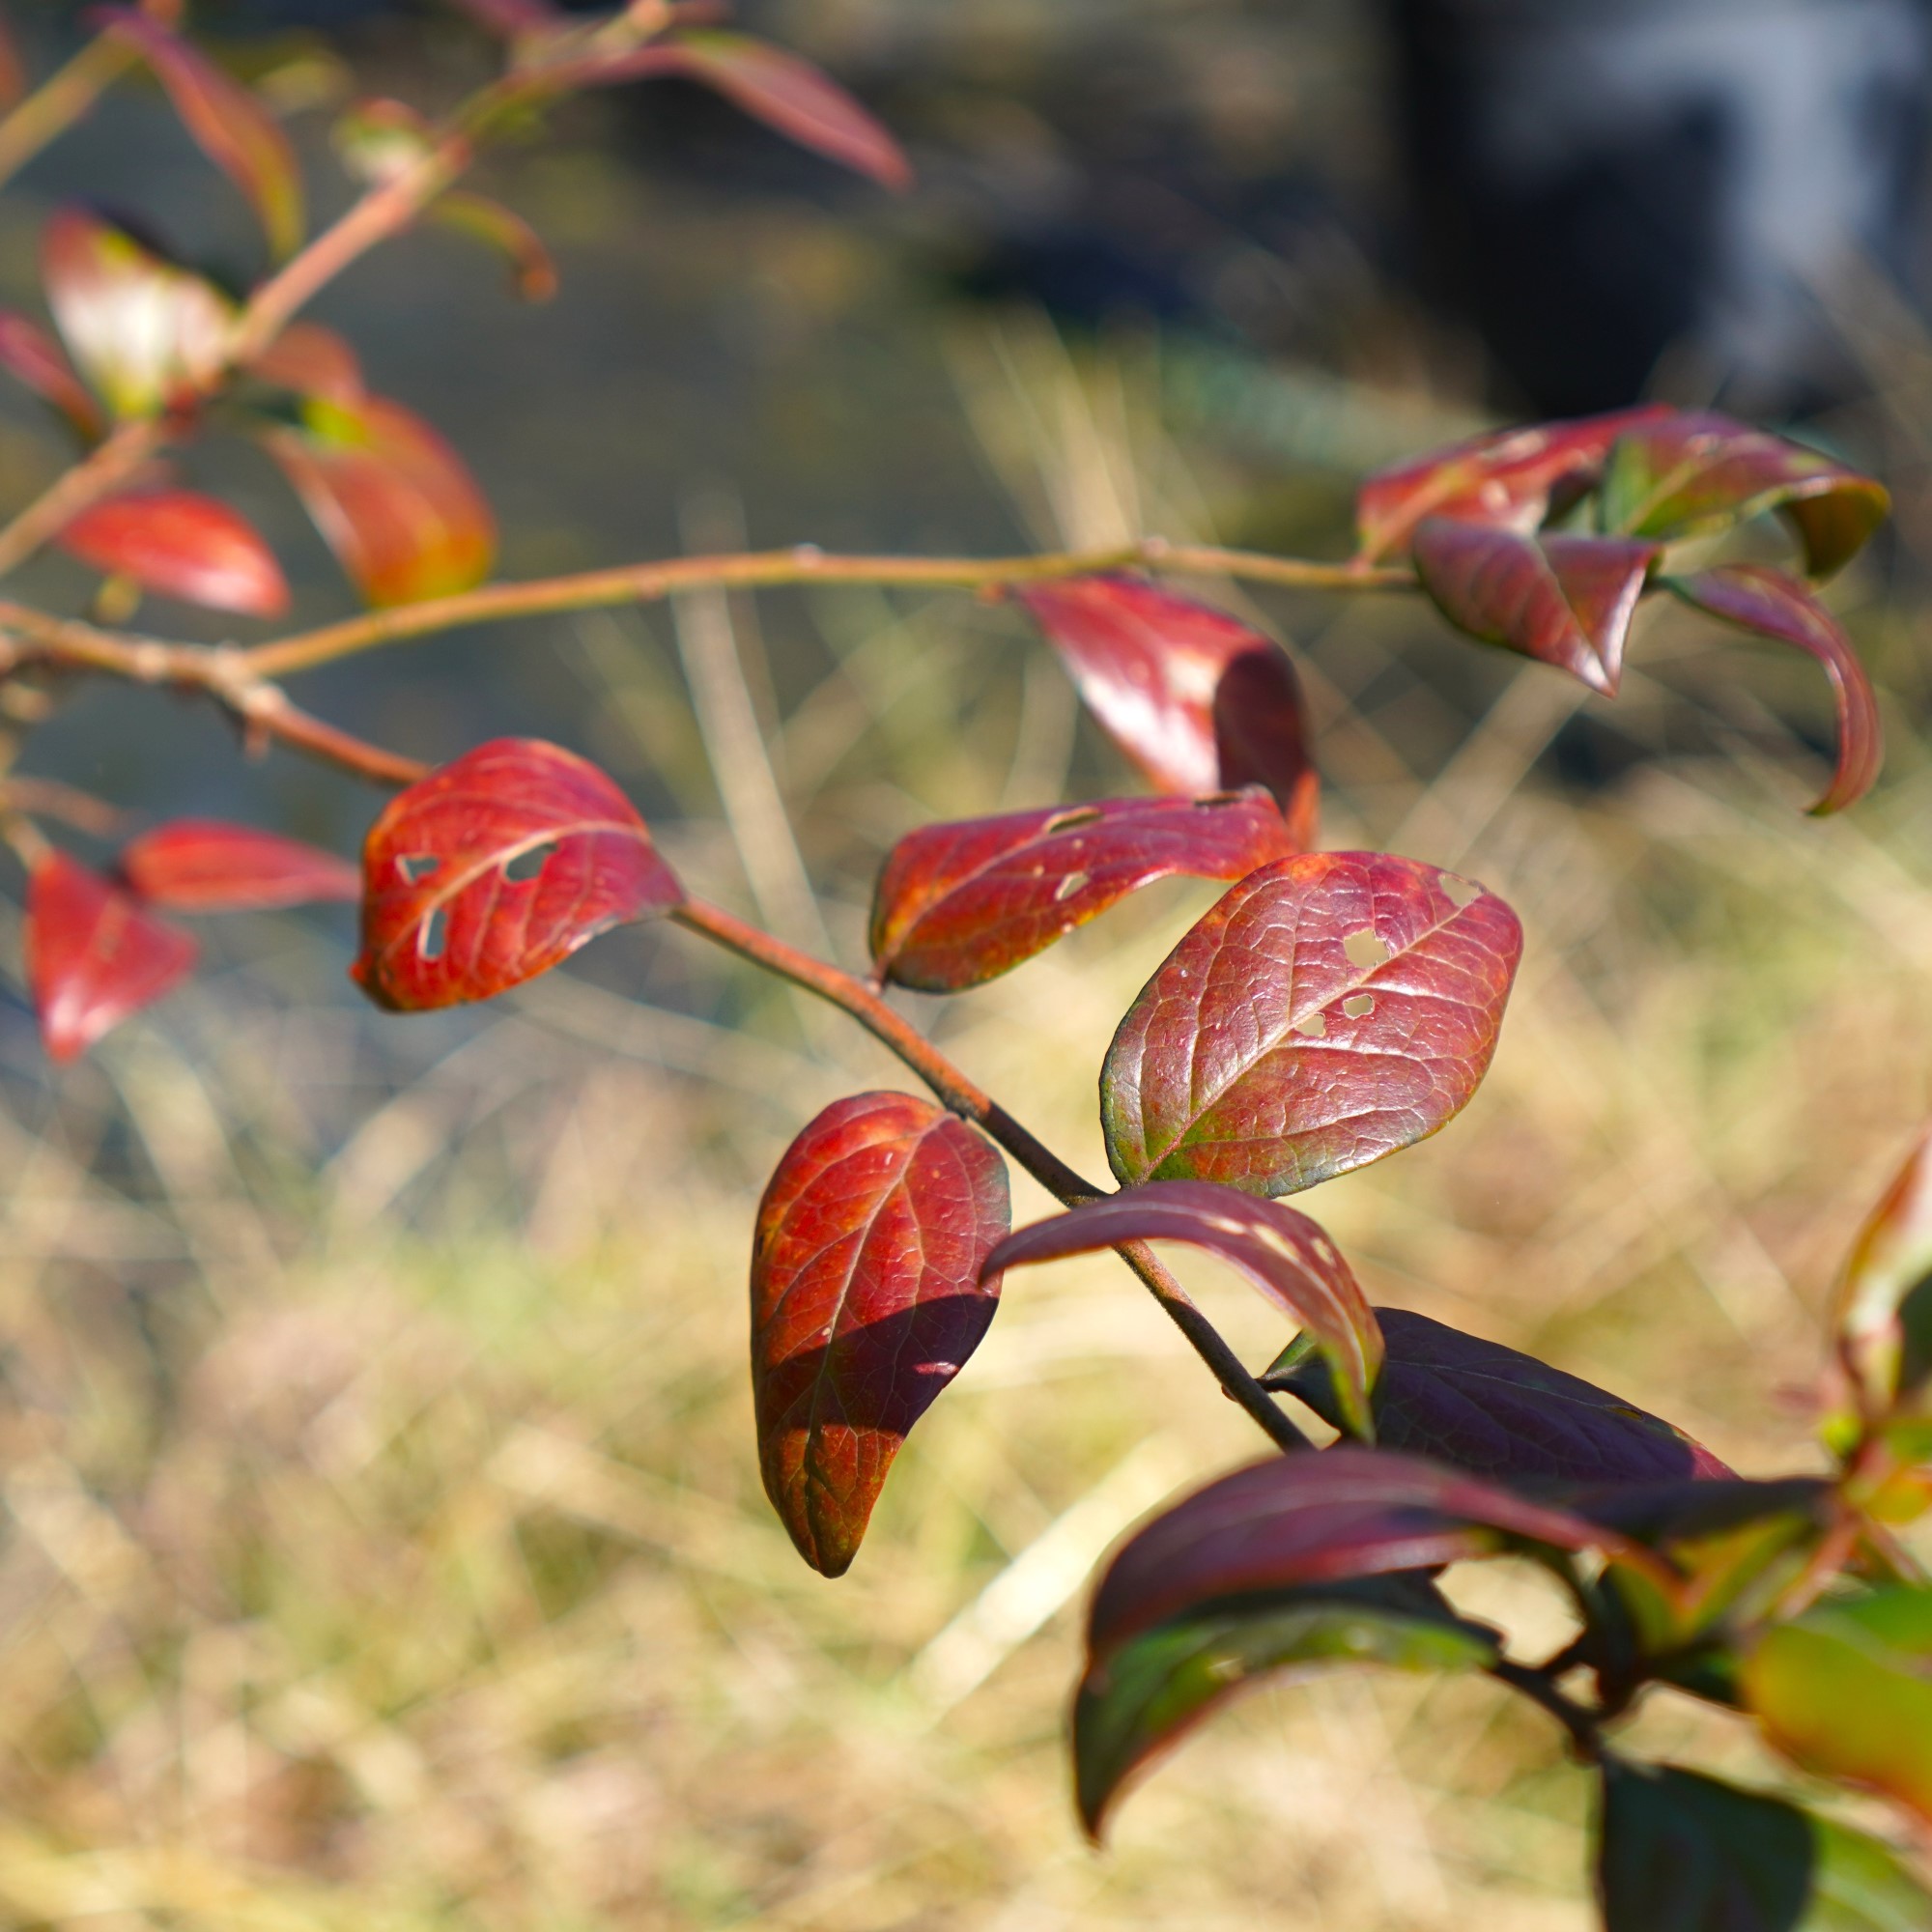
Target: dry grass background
(384, 1541)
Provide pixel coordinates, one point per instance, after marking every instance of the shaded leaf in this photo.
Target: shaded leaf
(1330, 1010)
(1511, 478)
(138, 327)
(311, 361)
(494, 869)
(229, 123)
(961, 903)
(1565, 601)
(1198, 700)
(1757, 598)
(207, 865)
(870, 1290)
(1695, 473)
(13, 80)
(93, 955)
(514, 19)
(31, 356)
(1883, 1318)
(532, 272)
(182, 544)
(1480, 1406)
(1147, 1694)
(1283, 1253)
(1298, 1520)
(1846, 1689)
(391, 498)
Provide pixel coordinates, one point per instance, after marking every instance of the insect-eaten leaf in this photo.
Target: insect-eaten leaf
(1563, 600)
(93, 955)
(1883, 1318)
(1146, 1695)
(1680, 1852)
(1198, 700)
(1695, 473)
(1330, 1010)
(181, 543)
(139, 328)
(959, 904)
(229, 123)
(1510, 479)
(208, 865)
(394, 501)
(1756, 598)
(870, 1290)
(1287, 1257)
(532, 272)
(32, 356)
(494, 869)
(1494, 1411)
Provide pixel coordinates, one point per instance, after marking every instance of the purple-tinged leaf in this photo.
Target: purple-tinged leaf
(1497, 1412)
(32, 356)
(1767, 602)
(181, 543)
(870, 1290)
(1565, 601)
(959, 904)
(1695, 474)
(1198, 700)
(1882, 1317)
(1330, 1010)
(207, 865)
(497, 866)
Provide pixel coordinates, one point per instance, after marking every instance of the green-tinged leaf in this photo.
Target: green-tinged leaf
(1846, 1690)
(1147, 1696)
(1882, 1318)
(377, 140)
(533, 273)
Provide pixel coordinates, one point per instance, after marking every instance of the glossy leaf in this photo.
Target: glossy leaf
(1512, 479)
(229, 123)
(1846, 1689)
(394, 501)
(1480, 1406)
(138, 327)
(1767, 602)
(182, 544)
(1882, 1318)
(311, 361)
(1146, 1695)
(1563, 600)
(1283, 1253)
(1695, 474)
(497, 866)
(93, 955)
(870, 1290)
(1680, 1852)
(207, 865)
(1294, 1521)
(32, 356)
(1330, 1010)
(1198, 700)
(959, 904)
(533, 273)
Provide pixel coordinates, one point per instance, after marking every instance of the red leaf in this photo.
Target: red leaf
(1509, 478)
(31, 356)
(311, 361)
(1757, 598)
(182, 545)
(1198, 700)
(394, 501)
(494, 869)
(866, 1300)
(1566, 601)
(231, 126)
(1330, 1010)
(13, 81)
(533, 273)
(959, 904)
(1298, 1520)
(1693, 474)
(1285, 1254)
(93, 955)
(205, 864)
(138, 327)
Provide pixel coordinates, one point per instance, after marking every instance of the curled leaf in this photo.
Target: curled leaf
(959, 904)
(494, 869)
(32, 356)
(1763, 601)
(868, 1296)
(1330, 1010)
(533, 272)
(207, 865)
(181, 543)
(1883, 1318)
(93, 955)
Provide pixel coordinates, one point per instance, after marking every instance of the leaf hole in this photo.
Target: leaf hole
(1313, 1026)
(1359, 1005)
(528, 864)
(1461, 891)
(433, 935)
(1069, 886)
(1366, 949)
(416, 865)
(1065, 821)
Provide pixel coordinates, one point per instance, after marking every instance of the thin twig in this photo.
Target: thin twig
(1582, 1724)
